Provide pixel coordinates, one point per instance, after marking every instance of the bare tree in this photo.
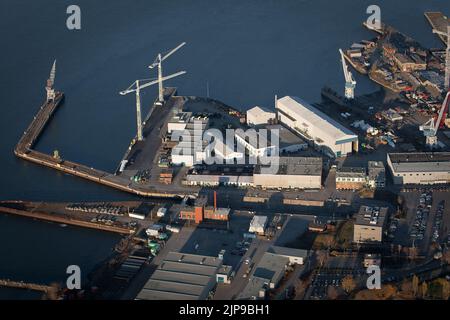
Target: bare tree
(415, 285)
(348, 284)
(424, 289)
(332, 293)
(445, 289)
(446, 257)
(412, 253)
(321, 257)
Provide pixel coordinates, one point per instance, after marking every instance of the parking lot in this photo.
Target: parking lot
(427, 220)
(331, 277)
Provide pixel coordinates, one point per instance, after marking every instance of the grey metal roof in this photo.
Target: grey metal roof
(350, 172)
(311, 166)
(181, 276)
(420, 162)
(290, 252)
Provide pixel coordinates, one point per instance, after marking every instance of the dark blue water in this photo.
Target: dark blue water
(248, 51)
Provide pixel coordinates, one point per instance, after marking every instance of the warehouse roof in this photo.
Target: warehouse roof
(225, 179)
(375, 169)
(271, 267)
(258, 222)
(253, 288)
(303, 111)
(420, 162)
(182, 276)
(288, 252)
(257, 111)
(310, 166)
(287, 137)
(351, 172)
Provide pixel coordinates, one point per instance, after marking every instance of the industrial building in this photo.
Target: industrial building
(215, 175)
(225, 152)
(219, 180)
(292, 172)
(257, 116)
(289, 142)
(260, 148)
(376, 174)
(270, 271)
(323, 132)
(258, 225)
(182, 276)
(419, 168)
(372, 259)
(295, 256)
(200, 211)
(181, 128)
(409, 63)
(369, 224)
(351, 178)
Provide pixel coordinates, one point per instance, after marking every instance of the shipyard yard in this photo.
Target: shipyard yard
(288, 200)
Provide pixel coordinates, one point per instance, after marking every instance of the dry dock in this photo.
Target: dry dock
(24, 150)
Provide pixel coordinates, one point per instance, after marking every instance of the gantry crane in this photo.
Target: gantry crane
(50, 83)
(158, 63)
(350, 83)
(137, 87)
(430, 128)
(447, 57)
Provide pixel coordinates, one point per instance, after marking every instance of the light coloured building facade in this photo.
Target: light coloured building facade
(369, 224)
(325, 133)
(257, 116)
(376, 174)
(351, 178)
(259, 147)
(258, 225)
(292, 172)
(420, 168)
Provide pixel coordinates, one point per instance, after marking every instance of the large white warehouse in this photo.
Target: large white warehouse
(327, 134)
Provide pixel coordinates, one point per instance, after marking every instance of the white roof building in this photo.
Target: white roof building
(327, 134)
(257, 116)
(258, 224)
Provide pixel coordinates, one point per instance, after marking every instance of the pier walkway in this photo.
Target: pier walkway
(24, 150)
(438, 22)
(24, 285)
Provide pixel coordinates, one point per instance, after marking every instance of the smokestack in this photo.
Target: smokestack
(215, 200)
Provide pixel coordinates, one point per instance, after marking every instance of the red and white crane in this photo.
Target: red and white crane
(431, 127)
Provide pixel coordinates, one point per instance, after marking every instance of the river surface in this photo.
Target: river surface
(247, 51)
